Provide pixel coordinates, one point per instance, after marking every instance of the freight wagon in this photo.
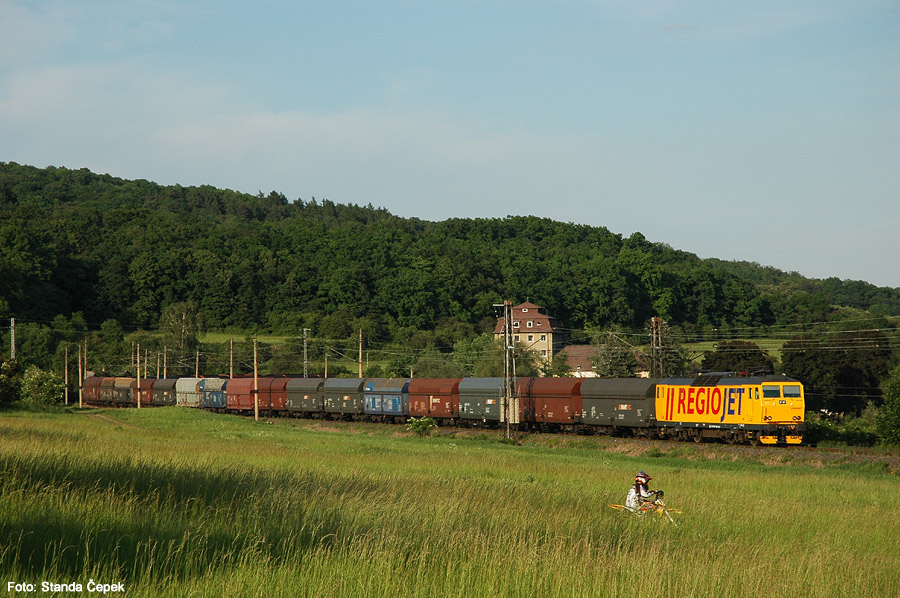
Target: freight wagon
(386, 399)
(437, 398)
(212, 393)
(164, 392)
(304, 396)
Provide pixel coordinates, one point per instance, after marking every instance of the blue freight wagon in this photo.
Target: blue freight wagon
(386, 399)
(212, 393)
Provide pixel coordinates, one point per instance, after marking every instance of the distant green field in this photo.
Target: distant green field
(771, 345)
(177, 502)
(225, 337)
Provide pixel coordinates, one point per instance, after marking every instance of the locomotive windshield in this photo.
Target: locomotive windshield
(792, 391)
(771, 392)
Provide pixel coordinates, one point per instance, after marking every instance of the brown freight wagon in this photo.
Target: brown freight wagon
(92, 390)
(239, 393)
(107, 390)
(146, 391)
(550, 404)
(272, 393)
(278, 396)
(437, 398)
(264, 387)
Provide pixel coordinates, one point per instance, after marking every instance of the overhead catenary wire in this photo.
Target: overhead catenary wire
(843, 338)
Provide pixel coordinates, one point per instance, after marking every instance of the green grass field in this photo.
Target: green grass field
(178, 502)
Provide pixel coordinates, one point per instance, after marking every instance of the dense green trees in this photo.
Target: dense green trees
(10, 380)
(74, 241)
(889, 418)
(738, 356)
(615, 358)
(842, 372)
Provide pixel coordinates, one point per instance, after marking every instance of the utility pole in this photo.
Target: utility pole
(305, 360)
(255, 382)
(507, 345)
(656, 359)
(197, 367)
(165, 361)
(66, 376)
(360, 354)
(12, 339)
(80, 380)
(509, 408)
(231, 358)
(139, 375)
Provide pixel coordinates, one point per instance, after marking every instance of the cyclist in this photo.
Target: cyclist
(640, 493)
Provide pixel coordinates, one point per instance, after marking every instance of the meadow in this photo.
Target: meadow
(178, 502)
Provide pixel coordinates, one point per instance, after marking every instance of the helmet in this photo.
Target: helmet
(642, 477)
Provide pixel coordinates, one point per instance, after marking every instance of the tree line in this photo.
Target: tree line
(77, 242)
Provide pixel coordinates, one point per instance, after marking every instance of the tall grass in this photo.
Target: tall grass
(178, 502)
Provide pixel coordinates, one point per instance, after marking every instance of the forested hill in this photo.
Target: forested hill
(74, 241)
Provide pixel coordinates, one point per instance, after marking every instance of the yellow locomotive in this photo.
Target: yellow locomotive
(756, 409)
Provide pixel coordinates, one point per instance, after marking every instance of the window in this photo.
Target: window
(792, 391)
(543, 352)
(530, 338)
(515, 324)
(544, 337)
(516, 337)
(771, 392)
(524, 310)
(530, 324)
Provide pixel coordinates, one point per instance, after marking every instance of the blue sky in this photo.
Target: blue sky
(763, 131)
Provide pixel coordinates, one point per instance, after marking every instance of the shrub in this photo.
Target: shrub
(850, 431)
(421, 427)
(41, 388)
(889, 417)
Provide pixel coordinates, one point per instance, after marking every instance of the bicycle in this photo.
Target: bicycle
(651, 508)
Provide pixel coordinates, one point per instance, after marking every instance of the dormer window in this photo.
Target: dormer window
(530, 324)
(524, 310)
(515, 324)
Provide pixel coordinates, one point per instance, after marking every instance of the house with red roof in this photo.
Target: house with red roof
(535, 329)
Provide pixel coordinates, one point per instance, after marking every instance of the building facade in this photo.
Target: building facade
(534, 329)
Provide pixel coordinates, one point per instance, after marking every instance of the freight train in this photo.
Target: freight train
(710, 407)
